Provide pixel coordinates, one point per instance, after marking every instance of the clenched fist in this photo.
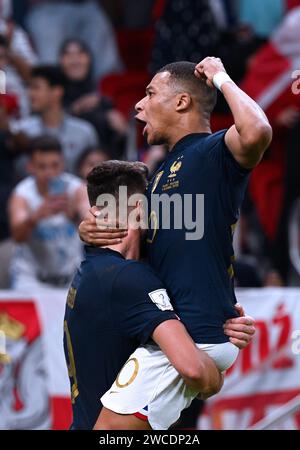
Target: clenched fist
(207, 68)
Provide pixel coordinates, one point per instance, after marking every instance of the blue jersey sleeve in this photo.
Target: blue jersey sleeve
(233, 177)
(223, 158)
(139, 302)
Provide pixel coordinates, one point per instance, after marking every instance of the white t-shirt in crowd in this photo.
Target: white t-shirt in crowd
(54, 248)
(74, 135)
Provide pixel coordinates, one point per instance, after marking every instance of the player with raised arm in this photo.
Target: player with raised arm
(197, 273)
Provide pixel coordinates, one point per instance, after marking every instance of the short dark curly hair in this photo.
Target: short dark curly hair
(184, 78)
(110, 175)
(52, 74)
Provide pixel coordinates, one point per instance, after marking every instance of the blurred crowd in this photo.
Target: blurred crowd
(74, 70)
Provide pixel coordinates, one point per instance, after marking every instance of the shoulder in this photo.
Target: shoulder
(134, 275)
(72, 182)
(221, 157)
(137, 285)
(25, 187)
(202, 146)
(29, 125)
(215, 146)
(217, 138)
(74, 123)
(21, 43)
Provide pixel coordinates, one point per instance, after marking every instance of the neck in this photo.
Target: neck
(186, 127)
(129, 247)
(53, 116)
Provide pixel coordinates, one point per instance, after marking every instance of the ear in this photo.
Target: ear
(137, 215)
(183, 102)
(137, 210)
(142, 214)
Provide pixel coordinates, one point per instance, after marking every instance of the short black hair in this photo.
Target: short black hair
(45, 144)
(110, 175)
(52, 74)
(183, 74)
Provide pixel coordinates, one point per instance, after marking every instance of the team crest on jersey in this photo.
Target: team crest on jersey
(175, 167)
(161, 299)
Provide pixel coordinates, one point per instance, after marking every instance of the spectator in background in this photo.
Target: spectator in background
(16, 100)
(89, 159)
(237, 41)
(46, 93)
(17, 57)
(270, 82)
(8, 105)
(129, 14)
(187, 31)
(9, 148)
(6, 186)
(225, 13)
(19, 41)
(261, 16)
(44, 212)
(51, 22)
(82, 98)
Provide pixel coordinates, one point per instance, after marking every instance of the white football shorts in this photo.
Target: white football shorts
(149, 387)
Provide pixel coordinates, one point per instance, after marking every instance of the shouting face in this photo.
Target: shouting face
(157, 110)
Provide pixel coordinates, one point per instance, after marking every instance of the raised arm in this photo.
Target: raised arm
(251, 133)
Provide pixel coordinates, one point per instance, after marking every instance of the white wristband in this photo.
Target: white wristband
(220, 78)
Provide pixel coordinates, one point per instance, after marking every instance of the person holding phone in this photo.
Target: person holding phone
(44, 210)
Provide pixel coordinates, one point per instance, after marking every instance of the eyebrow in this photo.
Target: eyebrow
(148, 88)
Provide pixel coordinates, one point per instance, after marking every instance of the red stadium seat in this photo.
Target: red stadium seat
(125, 89)
(135, 47)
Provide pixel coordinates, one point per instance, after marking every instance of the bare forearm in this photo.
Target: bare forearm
(207, 380)
(22, 231)
(248, 115)
(196, 368)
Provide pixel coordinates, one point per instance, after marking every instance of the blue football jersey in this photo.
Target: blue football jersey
(113, 306)
(196, 267)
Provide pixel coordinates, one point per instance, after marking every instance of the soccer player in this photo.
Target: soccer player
(116, 304)
(198, 274)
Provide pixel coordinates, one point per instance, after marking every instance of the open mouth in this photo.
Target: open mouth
(144, 123)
